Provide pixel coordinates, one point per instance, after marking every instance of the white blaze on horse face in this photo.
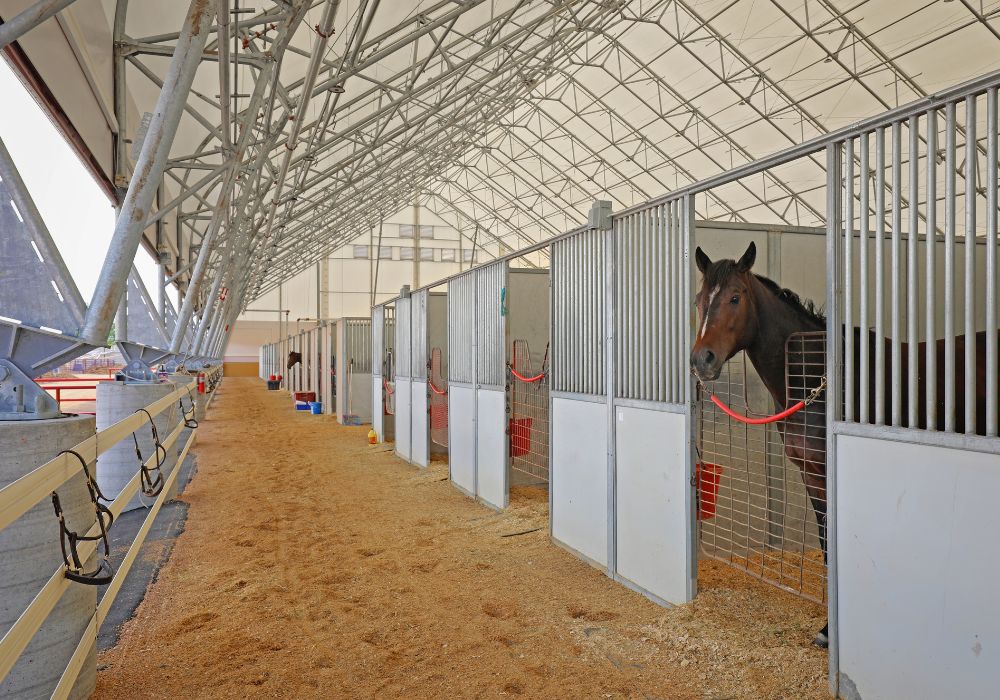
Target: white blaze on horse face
(708, 311)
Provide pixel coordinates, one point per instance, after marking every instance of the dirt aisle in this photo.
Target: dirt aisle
(313, 565)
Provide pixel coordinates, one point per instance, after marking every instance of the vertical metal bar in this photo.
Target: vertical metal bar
(685, 238)
(880, 276)
(949, 268)
(660, 282)
(681, 233)
(864, 380)
(896, 271)
(833, 299)
(607, 292)
(930, 345)
(991, 262)
(149, 170)
(971, 163)
(912, 282)
(618, 248)
(848, 282)
(645, 327)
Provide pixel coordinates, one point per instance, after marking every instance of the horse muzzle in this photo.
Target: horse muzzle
(705, 364)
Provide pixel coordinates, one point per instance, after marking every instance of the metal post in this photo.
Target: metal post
(149, 170)
(30, 18)
(835, 230)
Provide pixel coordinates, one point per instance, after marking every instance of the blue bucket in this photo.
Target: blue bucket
(316, 407)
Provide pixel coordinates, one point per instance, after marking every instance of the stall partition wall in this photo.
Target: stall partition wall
(378, 380)
(402, 390)
(327, 367)
(315, 358)
(354, 371)
(419, 413)
(914, 594)
(620, 494)
(477, 433)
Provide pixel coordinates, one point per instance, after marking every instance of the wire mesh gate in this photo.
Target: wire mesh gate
(438, 404)
(388, 361)
(762, 487)
(529, 413)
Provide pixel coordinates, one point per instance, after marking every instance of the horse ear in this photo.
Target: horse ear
(702, 260)
(746, 262)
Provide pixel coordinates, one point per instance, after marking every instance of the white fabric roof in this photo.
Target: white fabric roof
(507, 117)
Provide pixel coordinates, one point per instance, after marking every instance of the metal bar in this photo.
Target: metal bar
(848, 234)
(896, 272)
(834, 156)
(949, 268)
(880, 276)
(149, 170)
(991, 263)
(930, 345)
(864, 390)
(30, 18)
(971, 169)
(912, 282)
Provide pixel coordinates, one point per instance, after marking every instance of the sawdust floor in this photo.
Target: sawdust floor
(315, 565)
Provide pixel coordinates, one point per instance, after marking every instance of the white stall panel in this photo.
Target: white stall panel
(358, 400)
(378, 418)
(653, 503)
(919, 598)
(579, 480)
(462, 437)
(403, 418)
(491, 447)
(419, 446)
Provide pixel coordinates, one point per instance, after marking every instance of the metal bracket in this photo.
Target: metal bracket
(600, 215)
(21, 398)
(139, 361)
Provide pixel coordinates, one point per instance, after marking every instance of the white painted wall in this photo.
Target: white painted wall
(919, 600)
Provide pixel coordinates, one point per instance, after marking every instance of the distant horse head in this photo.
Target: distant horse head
(293, 359)
(727, 322)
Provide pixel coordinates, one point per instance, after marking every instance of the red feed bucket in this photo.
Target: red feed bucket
(709, 476)
(520, 436)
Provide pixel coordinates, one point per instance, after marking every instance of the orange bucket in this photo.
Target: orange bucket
(709, 476)
(520, 436)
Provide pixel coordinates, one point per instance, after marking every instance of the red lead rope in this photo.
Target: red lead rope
(757, 421)
(439, 392)
(388, 389)
(528, 380)
(768, 419)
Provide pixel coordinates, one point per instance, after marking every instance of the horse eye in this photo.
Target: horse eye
(735, 299)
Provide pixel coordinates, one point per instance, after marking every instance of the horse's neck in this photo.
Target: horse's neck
(776, 321)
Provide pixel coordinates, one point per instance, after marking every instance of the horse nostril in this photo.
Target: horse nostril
(708, 358)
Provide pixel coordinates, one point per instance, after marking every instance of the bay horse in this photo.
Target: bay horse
(294, 358)
(739, 310)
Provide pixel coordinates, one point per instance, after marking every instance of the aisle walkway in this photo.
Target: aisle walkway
(314, 565)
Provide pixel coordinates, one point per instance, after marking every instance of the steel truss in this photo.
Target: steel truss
(506, 118)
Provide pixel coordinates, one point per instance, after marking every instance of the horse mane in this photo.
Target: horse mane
(719, 271)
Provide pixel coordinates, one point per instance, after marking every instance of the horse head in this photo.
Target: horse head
(726, 319)
(293, 359)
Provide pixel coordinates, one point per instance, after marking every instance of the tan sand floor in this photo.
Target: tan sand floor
(315, 565)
